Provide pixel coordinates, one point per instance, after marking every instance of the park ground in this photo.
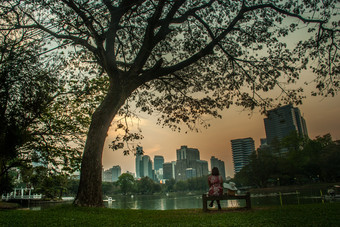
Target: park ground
(323, 214)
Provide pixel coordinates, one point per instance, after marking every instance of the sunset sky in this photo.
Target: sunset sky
(322, 116)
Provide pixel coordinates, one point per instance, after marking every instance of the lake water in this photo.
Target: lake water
(194, 201)
(189, 201)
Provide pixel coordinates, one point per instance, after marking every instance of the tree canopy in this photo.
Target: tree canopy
(126, 183)
(36, 122)
(182, 59)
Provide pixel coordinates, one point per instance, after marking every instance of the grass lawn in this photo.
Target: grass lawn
(327, 214)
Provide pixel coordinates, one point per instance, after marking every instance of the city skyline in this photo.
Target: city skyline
(183, 154)
(321, 115)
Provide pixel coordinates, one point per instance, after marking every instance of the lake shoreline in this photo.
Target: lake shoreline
(176, 200)
(293, 188)
(7, 205)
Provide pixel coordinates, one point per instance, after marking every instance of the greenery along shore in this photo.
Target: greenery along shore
(67, 215)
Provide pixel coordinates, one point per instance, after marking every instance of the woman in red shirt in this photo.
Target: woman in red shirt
(215, 182)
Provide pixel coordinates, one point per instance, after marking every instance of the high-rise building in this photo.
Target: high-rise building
(263, 143)
(116, 172)
(215, 162)
(168, 170)
(200, 167)
(242, 149)
(107, 176)
(158, 176)
(158, 162)
(282, 121)
(146, 167)
(112, 174)
(189, 158)
(173, 163)
(190, 173)
(187, 153)
(139, 155)
(158, 167)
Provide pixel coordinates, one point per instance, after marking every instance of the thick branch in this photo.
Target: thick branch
(290, 14)
(189, 13)
(208, 49)
(149, 41)
(86, 20)
(282, 11)
(74, 39)
(116, 14)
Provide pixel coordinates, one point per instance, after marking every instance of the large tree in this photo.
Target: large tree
(183, 58)
(36, 124)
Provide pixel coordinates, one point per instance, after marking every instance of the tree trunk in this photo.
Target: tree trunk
(90, 185)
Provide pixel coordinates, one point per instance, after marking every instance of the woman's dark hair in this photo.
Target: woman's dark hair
(215, 171)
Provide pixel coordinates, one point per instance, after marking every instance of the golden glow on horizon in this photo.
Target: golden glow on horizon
(321, 114)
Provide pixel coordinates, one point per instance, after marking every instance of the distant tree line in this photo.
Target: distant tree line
(294, 160)
(54, 186)
(126, 185)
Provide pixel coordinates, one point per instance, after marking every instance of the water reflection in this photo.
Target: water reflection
(174, 202)
(163, 202)
(194, 201)
(234, 203)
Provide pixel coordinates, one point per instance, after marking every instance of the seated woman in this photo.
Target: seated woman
(215, 182)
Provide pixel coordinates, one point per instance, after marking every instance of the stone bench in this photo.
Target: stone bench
(206, 198)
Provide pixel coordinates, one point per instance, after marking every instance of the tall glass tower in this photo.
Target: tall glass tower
(116, 172)
(158, 162)
(282, 121)
(146, 167)
(242, 149)
(139, 155)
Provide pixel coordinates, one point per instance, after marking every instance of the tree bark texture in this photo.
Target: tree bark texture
(90, 185)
